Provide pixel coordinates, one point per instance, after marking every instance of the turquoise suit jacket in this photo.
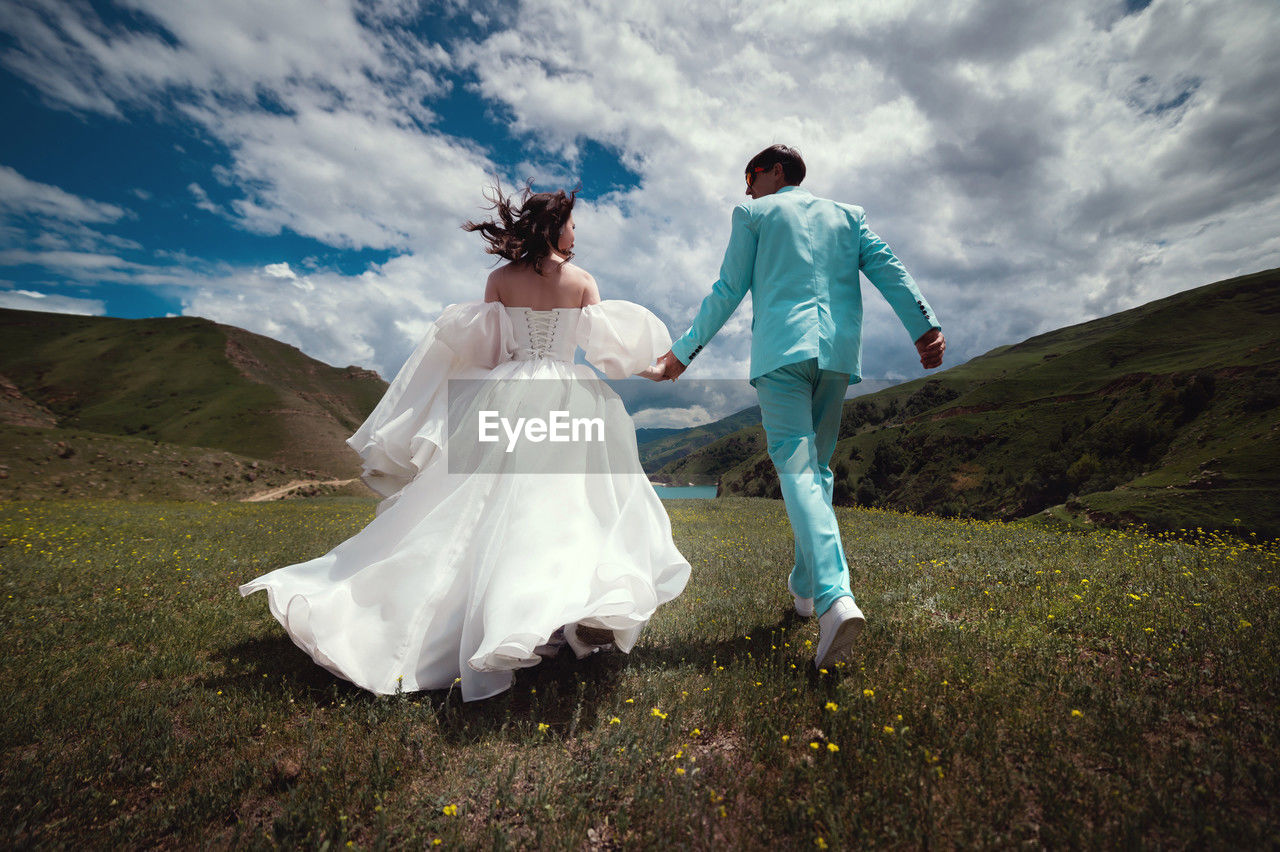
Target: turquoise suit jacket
(800, 255)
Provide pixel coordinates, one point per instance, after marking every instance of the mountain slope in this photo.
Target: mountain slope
(659, 447)
(182, 381)
(1164, 414)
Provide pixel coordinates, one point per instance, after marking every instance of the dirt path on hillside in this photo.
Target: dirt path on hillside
(263, 496)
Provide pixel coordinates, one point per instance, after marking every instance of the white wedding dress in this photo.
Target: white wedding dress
(482, 550)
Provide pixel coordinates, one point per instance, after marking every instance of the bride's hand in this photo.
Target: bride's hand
(653, 372)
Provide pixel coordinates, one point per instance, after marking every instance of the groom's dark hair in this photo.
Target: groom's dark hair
(792, 165)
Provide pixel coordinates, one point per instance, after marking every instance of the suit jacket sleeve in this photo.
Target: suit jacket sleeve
(883, 269)
(728, 291)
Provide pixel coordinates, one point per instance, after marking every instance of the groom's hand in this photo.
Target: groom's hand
(931, 346)
(670, 365)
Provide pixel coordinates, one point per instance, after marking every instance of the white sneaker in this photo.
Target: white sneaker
(804, 606)
(837, 628)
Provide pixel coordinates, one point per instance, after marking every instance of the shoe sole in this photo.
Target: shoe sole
(842, 642)
(595, 635)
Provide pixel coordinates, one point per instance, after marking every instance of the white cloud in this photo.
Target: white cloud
(365, 320)
(283, 271)
(280, 270)
(63, 260)
(203, 202)
(47, 227)
(349, 179)
(996, 145)
(33, 300)
(1034, 165)
(672, 418)
(20, 196)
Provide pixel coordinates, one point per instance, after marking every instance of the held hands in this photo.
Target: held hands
(931, 346)
(668, 368)
(653, 372)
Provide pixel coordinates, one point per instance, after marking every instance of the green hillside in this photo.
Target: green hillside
(1165, 414)
(68, 463)
(179, 381)
(667, 445)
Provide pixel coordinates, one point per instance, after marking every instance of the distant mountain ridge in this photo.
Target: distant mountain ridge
(180, 382)
(1165, 414)
(660, 447)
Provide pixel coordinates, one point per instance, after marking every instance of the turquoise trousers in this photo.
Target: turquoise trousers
(800, 407)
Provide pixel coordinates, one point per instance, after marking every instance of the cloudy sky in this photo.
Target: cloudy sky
(300, 167)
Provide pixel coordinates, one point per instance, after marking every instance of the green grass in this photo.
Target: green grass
(1014, 686)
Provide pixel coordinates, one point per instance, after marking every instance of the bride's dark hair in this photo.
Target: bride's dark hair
(527, 231)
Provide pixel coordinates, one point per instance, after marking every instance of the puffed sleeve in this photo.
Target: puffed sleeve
(408, 425)
(621, 338)
(479, 333)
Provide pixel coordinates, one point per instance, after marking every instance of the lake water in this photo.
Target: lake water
(675, 492)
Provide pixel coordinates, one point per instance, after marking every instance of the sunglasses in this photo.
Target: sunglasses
(751, 175)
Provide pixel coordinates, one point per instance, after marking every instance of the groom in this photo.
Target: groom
(799, 256)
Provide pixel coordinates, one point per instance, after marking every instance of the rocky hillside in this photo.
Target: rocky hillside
(186, 388)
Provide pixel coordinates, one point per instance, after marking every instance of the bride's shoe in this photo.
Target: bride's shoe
(594, 635)
(587, 640)
(553, 645)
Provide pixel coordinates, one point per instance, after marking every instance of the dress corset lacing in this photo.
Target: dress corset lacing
(542, 332)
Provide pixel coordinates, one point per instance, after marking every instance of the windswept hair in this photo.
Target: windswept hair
(792, 164)
(528, 231)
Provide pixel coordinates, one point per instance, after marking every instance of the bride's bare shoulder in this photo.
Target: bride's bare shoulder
(500, 282)
(582, 281)
(493, 286)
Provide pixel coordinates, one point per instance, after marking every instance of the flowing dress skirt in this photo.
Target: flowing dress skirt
(487, 551)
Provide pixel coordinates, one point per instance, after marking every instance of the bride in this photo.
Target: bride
(505, 530)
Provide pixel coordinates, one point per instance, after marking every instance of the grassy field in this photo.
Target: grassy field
(1015, 686)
